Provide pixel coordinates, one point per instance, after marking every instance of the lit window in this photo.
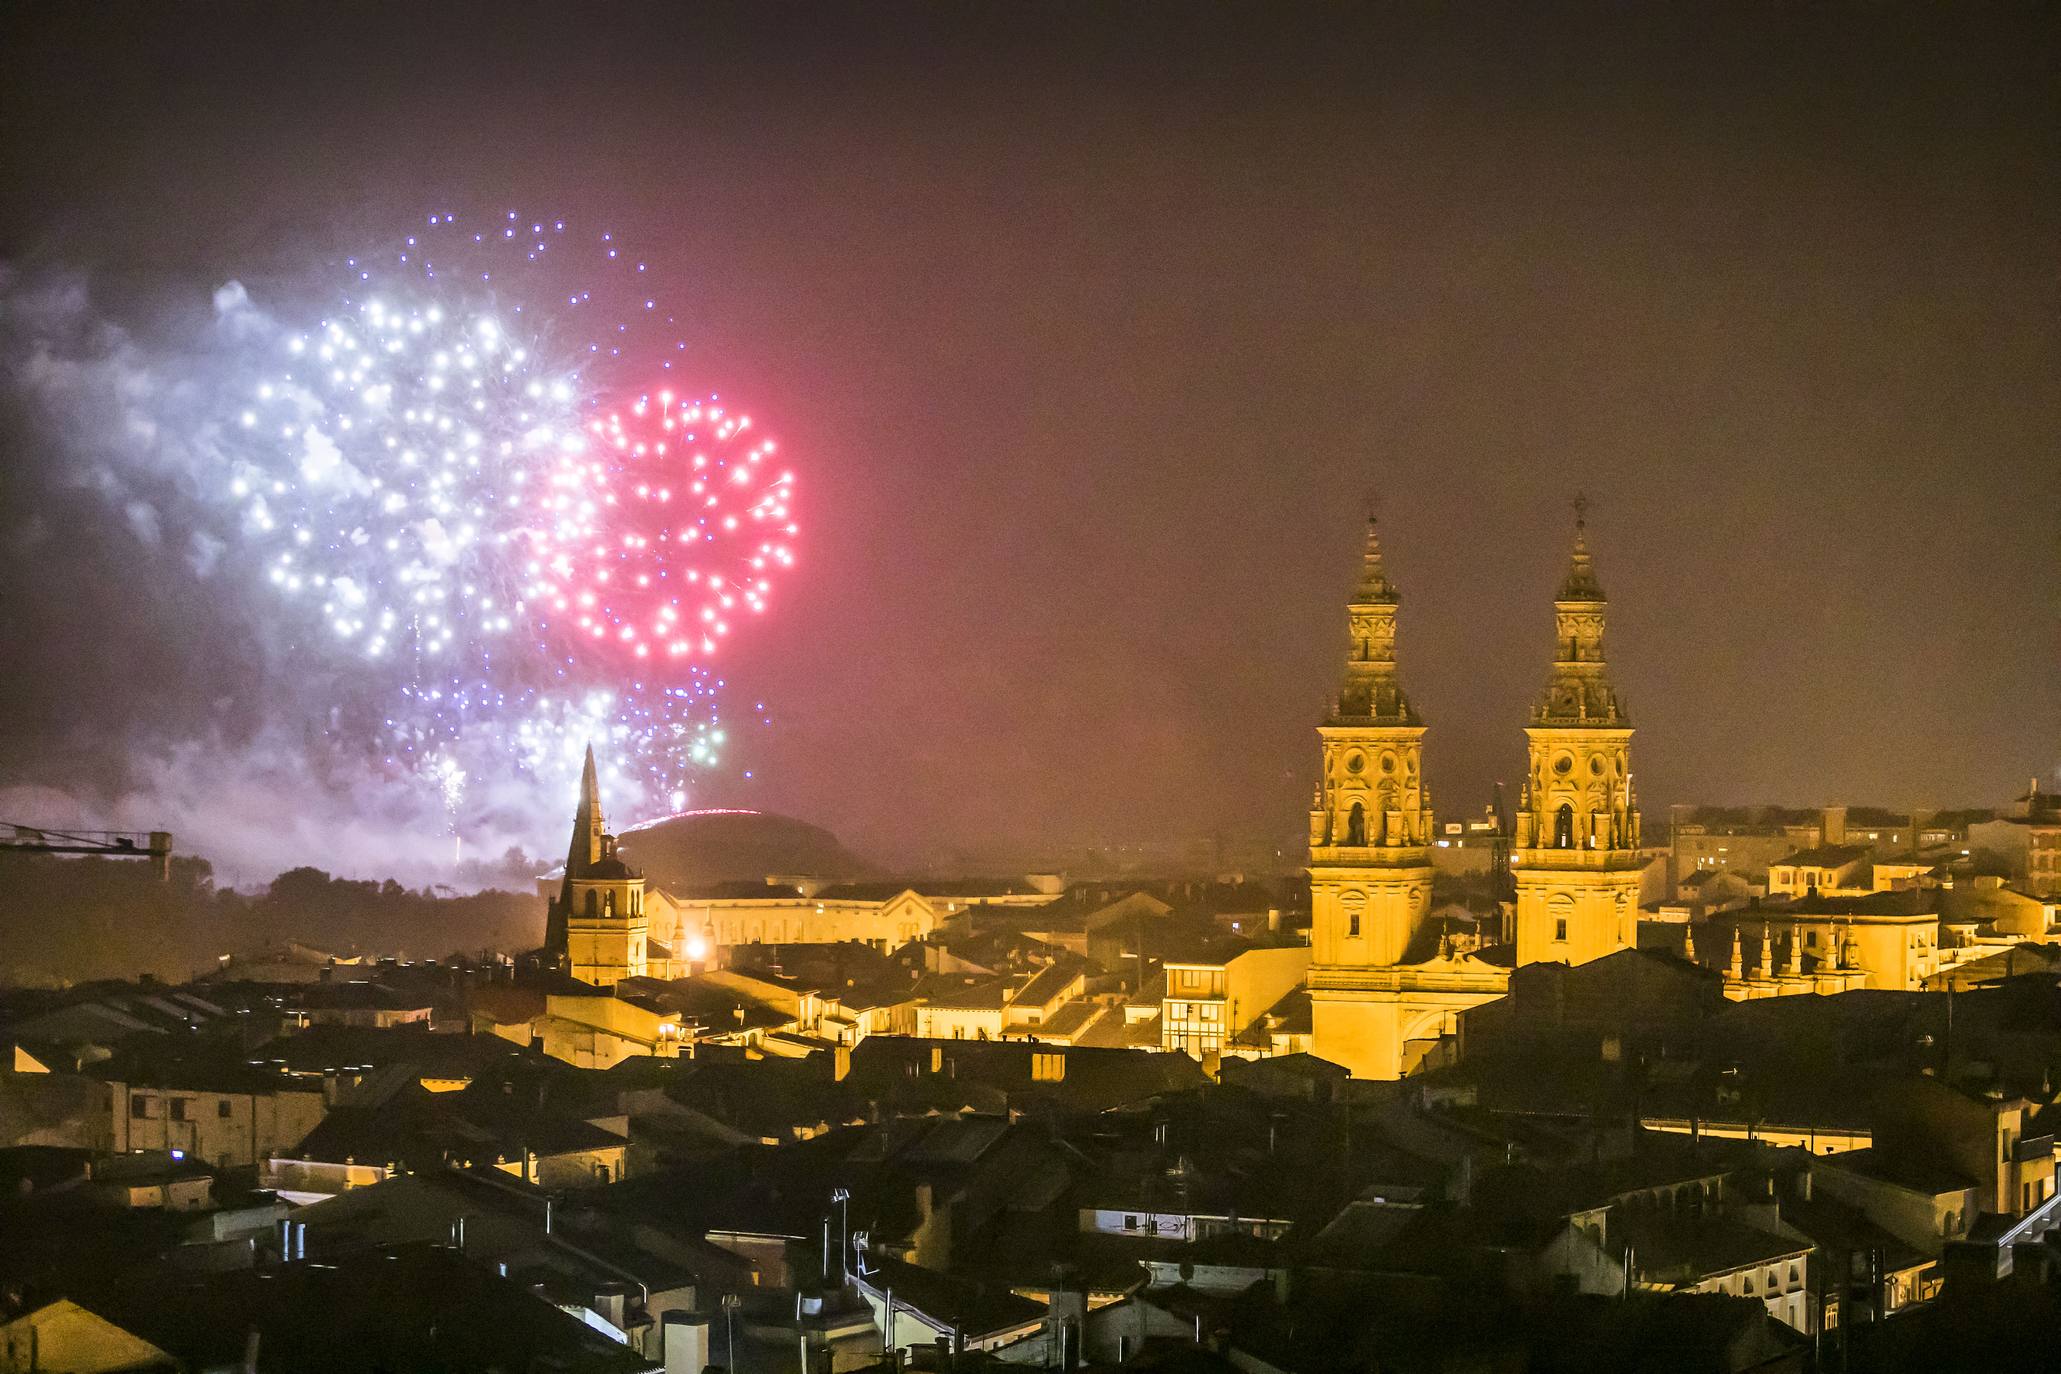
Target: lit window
(1560, 929)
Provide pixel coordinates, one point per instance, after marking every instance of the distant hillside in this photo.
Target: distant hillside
(67, 920)
(703, 847)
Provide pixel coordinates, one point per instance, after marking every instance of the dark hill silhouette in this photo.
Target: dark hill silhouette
(66, 921)
(703, 847)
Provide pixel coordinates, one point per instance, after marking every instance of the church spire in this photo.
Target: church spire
(1580, 692)
(1581, 797)
(1371, 692)
(588, 825)
(1375, 589)
(1581, 583)
(581, 855)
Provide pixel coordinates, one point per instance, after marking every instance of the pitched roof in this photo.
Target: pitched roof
(1688, 1249)
(1070, 1020)
(476, 1126)
(73, 1338)
(1915, 1175)
(985, 996)
(1826, 856)
(411, 1307)
(975, 1310)
(1903, 901)
(1050, 981)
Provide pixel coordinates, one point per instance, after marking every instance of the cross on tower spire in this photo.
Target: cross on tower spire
(1375, 589)
(1581, 583)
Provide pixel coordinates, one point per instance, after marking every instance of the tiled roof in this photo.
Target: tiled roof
(1688, 1249)
(1825, 856)
(975, 1310)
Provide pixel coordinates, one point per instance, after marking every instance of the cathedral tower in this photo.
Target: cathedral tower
(1370, 822)
(1577, 861)
(1382, 989)
(596, 929)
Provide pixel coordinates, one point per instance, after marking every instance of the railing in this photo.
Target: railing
(1348, 978)
(138, 844)
(1391, 854)
(96, 841)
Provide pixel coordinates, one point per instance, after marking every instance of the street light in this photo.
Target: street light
(731, 1302)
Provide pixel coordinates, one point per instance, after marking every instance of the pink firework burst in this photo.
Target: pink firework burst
(692, 523)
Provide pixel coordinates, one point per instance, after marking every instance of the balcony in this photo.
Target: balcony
(1388, 855)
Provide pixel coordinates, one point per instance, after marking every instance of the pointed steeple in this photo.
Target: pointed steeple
(1581, 583)
(584, 851)
(1375, 589)
(1371, 692)
(1580, 692)
(588, 825)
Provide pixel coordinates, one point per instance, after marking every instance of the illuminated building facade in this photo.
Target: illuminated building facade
(596, 928)
(1378, 999)
(1577, 861)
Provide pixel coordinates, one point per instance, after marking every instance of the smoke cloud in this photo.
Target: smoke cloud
(155, 684)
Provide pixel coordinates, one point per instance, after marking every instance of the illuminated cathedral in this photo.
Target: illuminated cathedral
(1385, 985)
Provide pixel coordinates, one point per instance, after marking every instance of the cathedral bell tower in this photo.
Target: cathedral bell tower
(1370, 821)
(1383, 989)
(1576, 854)
(596, 929)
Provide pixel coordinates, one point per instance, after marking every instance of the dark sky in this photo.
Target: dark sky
(1089, 329)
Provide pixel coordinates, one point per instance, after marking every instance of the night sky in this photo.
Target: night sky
(1090, 330)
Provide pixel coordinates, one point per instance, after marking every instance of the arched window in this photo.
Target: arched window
(1563, 827)
(608, 904)
(593, 903)
(1356, 825)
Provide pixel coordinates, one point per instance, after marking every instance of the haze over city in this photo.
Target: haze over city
(1089, 332)
(1069, 688)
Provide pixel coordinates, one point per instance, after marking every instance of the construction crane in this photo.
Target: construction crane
(154, 845)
